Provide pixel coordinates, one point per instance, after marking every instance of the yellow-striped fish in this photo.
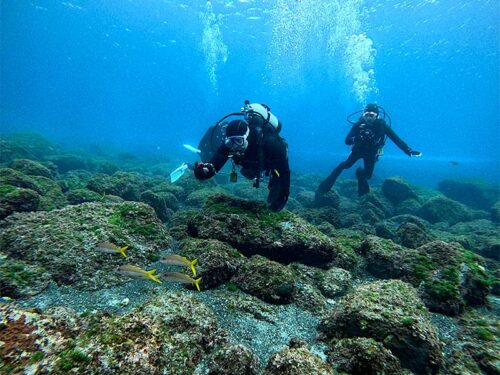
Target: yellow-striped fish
(182, 278)
(110, 248)
(180, 261)
(138, 273)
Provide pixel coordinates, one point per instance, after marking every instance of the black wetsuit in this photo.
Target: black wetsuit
(366, 139)
(266, 152)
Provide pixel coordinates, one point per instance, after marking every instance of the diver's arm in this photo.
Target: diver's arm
(351, 136)
(398, 141)
(204, 171)
(220, 157)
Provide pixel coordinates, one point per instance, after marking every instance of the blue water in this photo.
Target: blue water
(149, 75)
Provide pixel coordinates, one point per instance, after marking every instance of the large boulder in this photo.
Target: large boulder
(31, 168)
(217, 261)
(79, 196)
(169, 334)
(281, 236)
(62, 242)
(51, 195)
(397, 190)
(123, 184)
(361, 356)
(448, 277)
(297, 361)
(391, 313)
(16, 199)
(412, 235)
(439, 209)
(234, 359)
(474, 194)
(270, 281)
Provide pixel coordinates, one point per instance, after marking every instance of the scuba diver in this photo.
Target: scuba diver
(367, 137)
(253, 143)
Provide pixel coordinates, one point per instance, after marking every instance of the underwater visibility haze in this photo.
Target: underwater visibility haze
(120, 254)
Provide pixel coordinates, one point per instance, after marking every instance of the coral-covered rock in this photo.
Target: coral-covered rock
(16, 199)
(444, 209)
(234, 359)
(252, 229)
(298, 361)
(31, 168)
(217, 261)
(270, 281)
(362, 356)
(397, 190)
(63, 241)
(391, 313)
(474, 194)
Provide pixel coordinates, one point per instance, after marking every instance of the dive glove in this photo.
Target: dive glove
(411, 153)
(203, 171)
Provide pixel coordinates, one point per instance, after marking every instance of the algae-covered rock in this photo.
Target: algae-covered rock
(50, 192)
(391, 313)
(408, 207)
(448, 277)
(169, 334)
(412, 235)
(363, 356)
(332, 282)
(480, 335)
(252, 229)
(397, 190)
(123, 184)
(83, 195)
(76, 179)
(16, 199)
(63, 241)
(31, 168)
(35, 342)
(217, 261)
(68, 162)
(329, 199)
(158, 203)
(20, 279)
(234, 359)
(25, 145)
(199, 197)
(495, 212)
(297, 361)
(474, 194)
(270, 281)
(444, 209)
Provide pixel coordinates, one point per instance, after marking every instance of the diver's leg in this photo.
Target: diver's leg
(328, 183)
(364, 174)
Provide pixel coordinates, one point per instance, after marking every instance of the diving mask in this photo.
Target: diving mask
(237, 143)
